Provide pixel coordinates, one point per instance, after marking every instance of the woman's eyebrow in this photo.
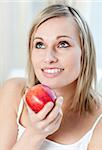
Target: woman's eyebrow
(66, 36)
(34, 38)
(71, 39)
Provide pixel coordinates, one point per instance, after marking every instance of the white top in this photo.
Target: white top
(81, 144)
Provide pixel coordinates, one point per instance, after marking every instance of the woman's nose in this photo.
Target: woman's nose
(50, 57)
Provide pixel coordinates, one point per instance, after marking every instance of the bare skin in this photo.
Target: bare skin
(71, 125)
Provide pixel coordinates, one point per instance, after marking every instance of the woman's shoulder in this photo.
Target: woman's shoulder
(14, 83)
(10, 92)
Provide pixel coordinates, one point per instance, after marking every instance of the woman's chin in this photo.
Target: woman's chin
(51, 84)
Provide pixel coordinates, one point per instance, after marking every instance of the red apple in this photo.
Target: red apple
(37, 96)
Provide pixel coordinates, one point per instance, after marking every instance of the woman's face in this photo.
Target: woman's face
(56, 52)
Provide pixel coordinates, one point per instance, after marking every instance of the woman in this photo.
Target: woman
(61, 56)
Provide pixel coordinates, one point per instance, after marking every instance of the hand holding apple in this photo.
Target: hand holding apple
(47, 120)
(37, 96)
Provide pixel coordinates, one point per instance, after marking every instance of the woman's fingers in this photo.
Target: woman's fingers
(54, 125)
(54, 114)
(41, 114)
(49, 111)
(46, 109)
(56, 110)
(51, 127)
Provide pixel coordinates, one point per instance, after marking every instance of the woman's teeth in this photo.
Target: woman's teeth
(52, 70)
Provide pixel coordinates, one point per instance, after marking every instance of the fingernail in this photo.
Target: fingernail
(61, 100)
(29, 110)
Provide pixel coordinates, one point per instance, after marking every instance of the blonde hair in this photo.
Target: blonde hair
(84, 95)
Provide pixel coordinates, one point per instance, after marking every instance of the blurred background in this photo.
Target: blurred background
(16, 17)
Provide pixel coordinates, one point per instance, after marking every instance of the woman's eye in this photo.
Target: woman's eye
(63, 44)
(40, 45)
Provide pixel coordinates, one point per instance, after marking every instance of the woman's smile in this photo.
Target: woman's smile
(52, 72)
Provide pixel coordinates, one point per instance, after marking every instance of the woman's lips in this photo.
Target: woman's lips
(52, 72)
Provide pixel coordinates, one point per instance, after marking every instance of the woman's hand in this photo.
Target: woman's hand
(48, 120)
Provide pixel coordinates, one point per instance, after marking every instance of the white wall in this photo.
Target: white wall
(15, 20)
(4, 42)
(96, 27)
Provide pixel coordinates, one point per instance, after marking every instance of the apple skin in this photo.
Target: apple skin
(37, 96)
